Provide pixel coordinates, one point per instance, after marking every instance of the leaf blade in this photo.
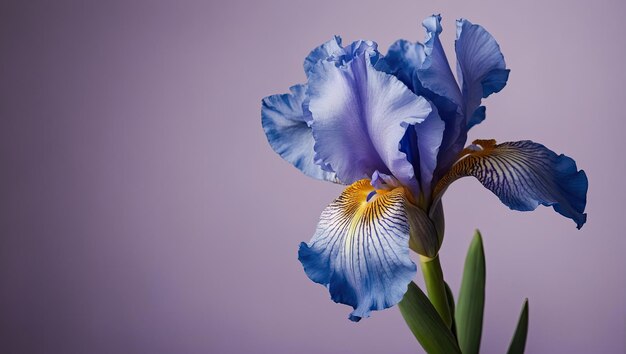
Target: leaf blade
(426, 324)
(471, 302)
(451, 305)
(518, 342)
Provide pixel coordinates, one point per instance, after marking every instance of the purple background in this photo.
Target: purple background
(142, 210)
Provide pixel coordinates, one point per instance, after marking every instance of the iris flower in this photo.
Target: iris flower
(394, 129)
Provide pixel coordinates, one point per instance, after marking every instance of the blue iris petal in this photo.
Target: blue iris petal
(360, 251)
(524, 175)
(425, 70)
(360, 115)
(421, 144)
(479, 115)
(424, 67)
(429, 138)
(480, 67)
(333, 51)
(283, 120)
(329, 49)
(435, 73)
(402, 60)
(383, 181)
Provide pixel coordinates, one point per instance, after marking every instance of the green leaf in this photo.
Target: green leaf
(518, 343)
(451, 305)
(471, 303)
(426, 324)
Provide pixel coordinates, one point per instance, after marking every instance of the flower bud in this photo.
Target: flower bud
(426, 232)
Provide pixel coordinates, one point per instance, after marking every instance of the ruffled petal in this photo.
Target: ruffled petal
(480, 67)
(402, 60)
(436, 76)
(283, 120)
(424, 67)
(524, 174)
(333, 51)
(435, 73)
(360, 250)
(360, 115)
(332, 48)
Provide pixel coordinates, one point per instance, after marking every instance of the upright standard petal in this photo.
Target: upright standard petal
(402, 60)
(421, 144)
(283, 120)
(424, 67)
(524, 174)
(360, 250)
(480, 67)
(360, 115)
(435, 73)
(429, 139)
(436, 76)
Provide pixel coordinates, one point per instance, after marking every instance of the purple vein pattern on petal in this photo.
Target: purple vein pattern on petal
(360, 250)
(360, 115)
(524, 175)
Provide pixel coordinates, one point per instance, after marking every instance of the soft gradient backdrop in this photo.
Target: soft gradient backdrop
(142, 210)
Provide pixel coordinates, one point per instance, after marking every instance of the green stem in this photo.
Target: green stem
(433, 276)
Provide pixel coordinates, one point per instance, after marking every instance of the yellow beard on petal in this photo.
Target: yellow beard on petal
(468, 158)
(355, 205)
(362, 213)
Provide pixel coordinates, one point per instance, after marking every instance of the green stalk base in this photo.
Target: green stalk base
(436, 288)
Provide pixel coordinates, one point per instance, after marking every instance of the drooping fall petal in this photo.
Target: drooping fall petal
(360, 249)
(524, 175)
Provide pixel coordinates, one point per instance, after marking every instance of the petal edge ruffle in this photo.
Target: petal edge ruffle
(524, 174)
(360, 115)
(360, 250)
(286, 129)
